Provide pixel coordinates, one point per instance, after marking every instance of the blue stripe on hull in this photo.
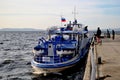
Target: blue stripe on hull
(55, 65)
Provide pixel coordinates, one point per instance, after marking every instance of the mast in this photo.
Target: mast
(74, 12)
(61, 18)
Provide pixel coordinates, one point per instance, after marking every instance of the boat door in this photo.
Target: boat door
(50, 50)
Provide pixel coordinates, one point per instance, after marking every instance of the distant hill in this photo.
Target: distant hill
(20, 29)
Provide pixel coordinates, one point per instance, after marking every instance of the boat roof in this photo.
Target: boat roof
(70, 32)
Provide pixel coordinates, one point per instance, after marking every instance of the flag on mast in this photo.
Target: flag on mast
(63, 19)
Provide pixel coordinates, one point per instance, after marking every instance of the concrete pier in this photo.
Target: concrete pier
(109, 52)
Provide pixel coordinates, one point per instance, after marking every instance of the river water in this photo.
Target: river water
(16, 55)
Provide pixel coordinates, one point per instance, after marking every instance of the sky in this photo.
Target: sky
(42, 14)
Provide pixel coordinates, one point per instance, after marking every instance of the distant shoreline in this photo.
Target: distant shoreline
(20, 29)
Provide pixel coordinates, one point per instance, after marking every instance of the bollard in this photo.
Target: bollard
(99, 60)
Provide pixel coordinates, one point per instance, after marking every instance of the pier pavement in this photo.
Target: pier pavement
(109, 51)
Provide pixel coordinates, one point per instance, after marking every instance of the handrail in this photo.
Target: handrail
(90, 71)
(93, 65)
(93, 68)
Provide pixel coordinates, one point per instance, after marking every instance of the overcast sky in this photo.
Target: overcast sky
(41, 14)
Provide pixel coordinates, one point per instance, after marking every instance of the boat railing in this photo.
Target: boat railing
(52, 59)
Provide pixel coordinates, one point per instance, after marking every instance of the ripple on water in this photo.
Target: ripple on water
(15, 70)
(8, 61)
(5, 62)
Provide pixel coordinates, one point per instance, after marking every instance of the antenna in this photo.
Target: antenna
(61, 18)
(75, 13)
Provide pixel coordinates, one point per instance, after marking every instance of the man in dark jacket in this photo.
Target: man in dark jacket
(98, 34)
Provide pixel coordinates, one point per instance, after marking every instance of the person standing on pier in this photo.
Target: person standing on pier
(108, 34)
(98, 34)
(113, 34)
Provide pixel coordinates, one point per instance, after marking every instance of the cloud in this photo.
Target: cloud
(47, 12)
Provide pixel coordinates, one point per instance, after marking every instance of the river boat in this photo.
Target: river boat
(64, 48)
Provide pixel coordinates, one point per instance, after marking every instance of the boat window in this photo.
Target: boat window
(53, 36)
(65, 37)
